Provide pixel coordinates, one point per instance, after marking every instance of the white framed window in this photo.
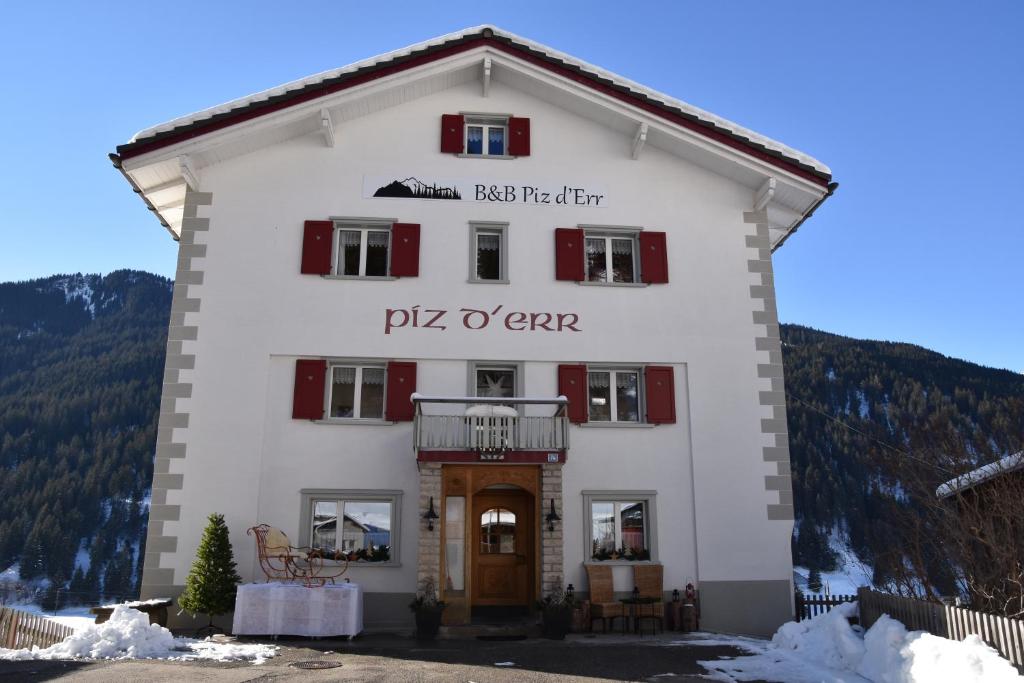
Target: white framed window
(611, 257)
(356, 391)
(486, 136)
(615, 394)
(620, 525)
(488, 246)
(362, 250)
(360, 525)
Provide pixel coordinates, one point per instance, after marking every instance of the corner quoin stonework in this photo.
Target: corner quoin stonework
(429, 557)
(158, 580)
(551, 552)
(769, 367)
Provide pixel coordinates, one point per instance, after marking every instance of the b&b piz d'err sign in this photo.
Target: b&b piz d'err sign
(489, 192)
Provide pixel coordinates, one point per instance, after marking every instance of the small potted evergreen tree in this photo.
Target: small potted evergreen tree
(428, 610)
(212, 582)
(556, 613)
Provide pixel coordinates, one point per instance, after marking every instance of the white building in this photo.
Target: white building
(478, 216)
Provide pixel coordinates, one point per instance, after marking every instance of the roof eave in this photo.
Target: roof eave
(116, 160)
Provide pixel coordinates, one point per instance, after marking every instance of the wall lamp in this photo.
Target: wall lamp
(552, 517)
(430, 515)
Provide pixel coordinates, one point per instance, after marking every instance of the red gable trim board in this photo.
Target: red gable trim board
(312, 92)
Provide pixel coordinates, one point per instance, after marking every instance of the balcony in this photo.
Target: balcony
(490, 429)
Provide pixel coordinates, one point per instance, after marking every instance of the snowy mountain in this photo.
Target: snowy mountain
(81, 357)
(859, 412)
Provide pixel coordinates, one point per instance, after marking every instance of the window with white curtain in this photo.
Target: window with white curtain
(362, 250)
(496, 381)
(614, 394)
(357, 391)
(611, 258)
(486, 136)
(488, 252)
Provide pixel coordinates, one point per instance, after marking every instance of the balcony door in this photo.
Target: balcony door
(502, 547)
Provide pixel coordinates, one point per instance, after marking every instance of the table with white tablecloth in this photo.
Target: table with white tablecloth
(278, 609)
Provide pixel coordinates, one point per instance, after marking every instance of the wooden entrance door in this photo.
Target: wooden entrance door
(502, 547)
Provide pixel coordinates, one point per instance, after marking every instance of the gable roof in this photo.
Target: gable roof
(161, 160)
(1005, 465)
(327, 82)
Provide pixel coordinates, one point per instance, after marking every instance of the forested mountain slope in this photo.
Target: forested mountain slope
(81, 360)
(875, 426)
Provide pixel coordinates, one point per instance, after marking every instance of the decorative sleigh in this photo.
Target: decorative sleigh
(281, 561)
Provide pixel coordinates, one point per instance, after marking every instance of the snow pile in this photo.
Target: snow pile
(895, 656)
(827, 648)
(129, 635)
(827, 639)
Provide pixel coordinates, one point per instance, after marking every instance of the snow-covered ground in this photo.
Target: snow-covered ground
(843, 581)
(75, 617)
(850, 574)
(827, 648)
(11, 575)
(129, 635)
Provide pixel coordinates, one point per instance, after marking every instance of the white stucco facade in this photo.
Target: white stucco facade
(721, 517)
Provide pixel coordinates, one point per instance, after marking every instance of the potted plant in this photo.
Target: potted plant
(556, 612)
(428, 610)
(211, 584)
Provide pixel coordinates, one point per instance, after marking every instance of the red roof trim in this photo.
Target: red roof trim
(346, 81)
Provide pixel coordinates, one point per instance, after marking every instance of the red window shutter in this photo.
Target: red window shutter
(453, 127)
(569, 254)
(572, 383)
(518, 137)
(405, 250)
(661, 394)
(308, 399)
(653, 257)
(401, 386)
(316, 247)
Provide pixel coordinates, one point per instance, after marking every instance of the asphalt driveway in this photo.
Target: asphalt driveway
(381, 658)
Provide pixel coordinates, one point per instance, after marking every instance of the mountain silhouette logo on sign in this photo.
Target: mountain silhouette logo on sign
(413, 188)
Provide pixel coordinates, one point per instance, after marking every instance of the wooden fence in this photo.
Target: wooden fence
(809, 605)
(1004, 634)
(21, 630)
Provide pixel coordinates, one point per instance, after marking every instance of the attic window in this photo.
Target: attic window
(486, 136)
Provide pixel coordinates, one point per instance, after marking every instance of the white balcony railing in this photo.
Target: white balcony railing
(490, 433)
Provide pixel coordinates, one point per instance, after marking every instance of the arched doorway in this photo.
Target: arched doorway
(502, 548)
(490, 542)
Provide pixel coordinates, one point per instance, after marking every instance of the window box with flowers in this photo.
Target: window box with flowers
(620, 526)
(355, 525)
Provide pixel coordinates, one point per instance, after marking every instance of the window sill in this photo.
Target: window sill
(588, 283)
(487, 282)
(355, 421)
(353, 565)
(485, 156)
(617, 425)
(617, 563)
(359, 277)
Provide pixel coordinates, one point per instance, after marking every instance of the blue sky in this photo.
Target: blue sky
(917, 107)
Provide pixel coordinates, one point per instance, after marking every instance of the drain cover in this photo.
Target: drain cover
(316, 664)
(503, 636)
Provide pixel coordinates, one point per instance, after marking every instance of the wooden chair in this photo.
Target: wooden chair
(280, 560)
(650, 580)
(603, 604)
